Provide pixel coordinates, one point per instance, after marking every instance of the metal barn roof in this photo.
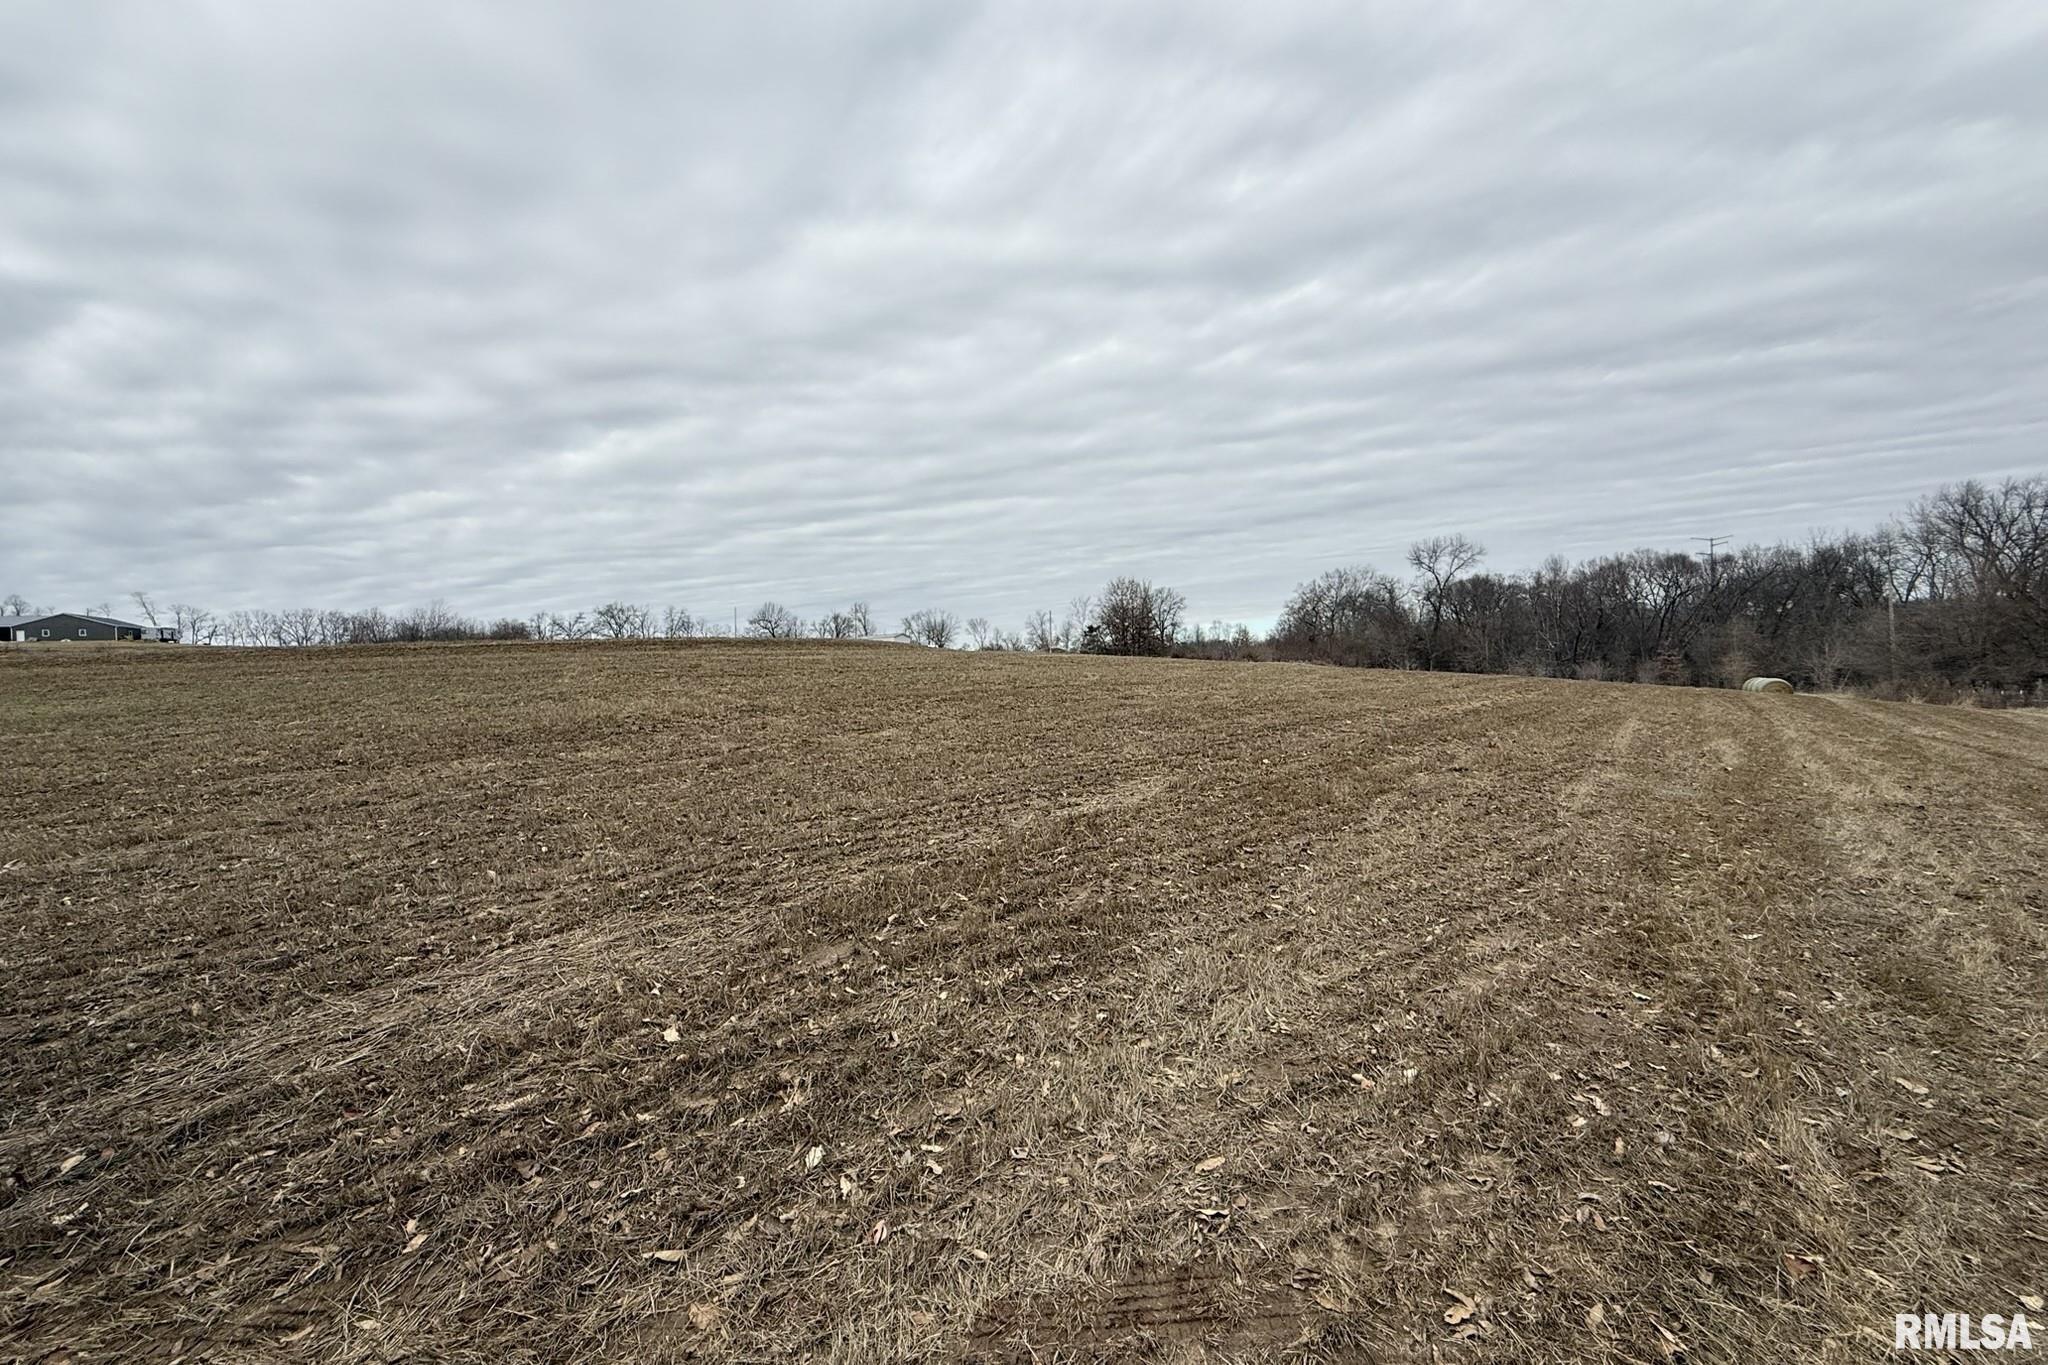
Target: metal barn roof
(8, 622)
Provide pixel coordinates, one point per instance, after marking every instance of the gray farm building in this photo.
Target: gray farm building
(57, 627)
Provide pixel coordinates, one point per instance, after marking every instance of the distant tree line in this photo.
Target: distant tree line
(1952, 595)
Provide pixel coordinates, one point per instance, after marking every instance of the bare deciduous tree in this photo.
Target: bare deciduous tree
(1041, 632)
(1440, 560)
(295, 629)
(1347, 616)
(1080, 613)
(863, 619)
(551, 625)
(621, 621)
(434, 621)
(240, 627)
(195, 625)
(773, 621)
(931, 627)
(678, 624)
(1133, 616)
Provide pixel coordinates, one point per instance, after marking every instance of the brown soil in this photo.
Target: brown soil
(725, 1002)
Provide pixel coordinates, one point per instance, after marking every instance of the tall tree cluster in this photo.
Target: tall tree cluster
(1135, 616)
(1954, 592)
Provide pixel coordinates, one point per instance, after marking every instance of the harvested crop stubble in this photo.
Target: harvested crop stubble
(741, 1002)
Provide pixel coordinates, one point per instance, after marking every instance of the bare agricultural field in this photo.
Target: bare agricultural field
(734, 1002)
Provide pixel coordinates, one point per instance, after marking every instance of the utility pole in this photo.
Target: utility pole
(1891, 630)
(1713, 543)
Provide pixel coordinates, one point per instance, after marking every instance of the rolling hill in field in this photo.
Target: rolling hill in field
(863, 1003)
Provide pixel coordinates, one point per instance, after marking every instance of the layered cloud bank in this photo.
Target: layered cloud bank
(527, 307)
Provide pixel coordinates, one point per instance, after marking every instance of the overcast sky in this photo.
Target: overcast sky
(974, 306)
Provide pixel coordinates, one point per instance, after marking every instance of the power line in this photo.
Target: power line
(1713, 544)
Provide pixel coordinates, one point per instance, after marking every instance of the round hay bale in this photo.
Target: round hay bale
(1767, 685)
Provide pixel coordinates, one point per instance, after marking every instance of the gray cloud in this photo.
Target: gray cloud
(530, 307)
